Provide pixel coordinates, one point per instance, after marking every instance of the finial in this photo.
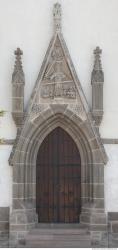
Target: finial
(57, 17)
(18, 52)
(97, 64)
(18, 74)
(97, 51)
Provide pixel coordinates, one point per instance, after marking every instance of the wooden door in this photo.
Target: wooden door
(58, 179)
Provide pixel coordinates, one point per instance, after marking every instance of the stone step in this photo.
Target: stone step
(58, 235)
(60, 225)
(50, 231)
(55, 243)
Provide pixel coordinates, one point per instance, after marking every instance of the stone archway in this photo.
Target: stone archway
(57, 100)
(24, 169)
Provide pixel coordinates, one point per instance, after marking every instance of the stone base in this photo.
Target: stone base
(4, 226)
(96, 220)
(113, 229)
(21, 222)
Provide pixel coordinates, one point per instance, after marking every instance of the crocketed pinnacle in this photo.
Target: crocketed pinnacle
(97, 63)
(18, 74)
(57, 17)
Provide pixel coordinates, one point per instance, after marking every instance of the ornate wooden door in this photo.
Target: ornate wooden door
(58, 179)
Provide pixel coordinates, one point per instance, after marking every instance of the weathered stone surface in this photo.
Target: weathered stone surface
(18, 81)
(16, 228)
(4, 226)
(4, 214)
(115, 227)
(97, 80)
(99, 204)
(97, 156)
(57, 100)
(113, 216)
(98, 173)
(98, 191)
(99, 219)
(58, 108)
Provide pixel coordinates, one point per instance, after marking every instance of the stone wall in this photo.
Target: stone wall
(113, 229)
(4, 226)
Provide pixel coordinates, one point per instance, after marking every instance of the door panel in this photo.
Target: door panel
(58, 179)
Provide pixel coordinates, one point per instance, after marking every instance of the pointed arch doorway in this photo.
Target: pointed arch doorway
(58, 179)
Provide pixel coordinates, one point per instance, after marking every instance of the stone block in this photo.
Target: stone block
(48, 113)
(86, 128)
(21, 218)
(115, 227)
(4, 243)
(98, 228)
(18, 203)
(20, 156)
(18, 190)
(97, 156)
(58, 108)
(68, 113)
(31, 174)
(98, 173)
(113, 216)
(85, 218)
(30, 128)
(94, 144)
(98, 191)
(13, 239)
(38, 121)
(98, 218)
(17, 228)
(99, 204)
(77, 119)
(13, 218)
(18, 173)
(4, 214)
(4, 226)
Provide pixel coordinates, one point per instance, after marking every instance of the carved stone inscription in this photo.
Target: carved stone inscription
(65, 90)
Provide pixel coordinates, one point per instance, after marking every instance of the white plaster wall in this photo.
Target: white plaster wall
(5, 177)
(86, 24)
(111, 179)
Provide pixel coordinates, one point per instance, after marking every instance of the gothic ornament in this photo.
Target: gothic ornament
(18, 74)
(57, 17)
(18, 81)
(97, 80)
(57, 80)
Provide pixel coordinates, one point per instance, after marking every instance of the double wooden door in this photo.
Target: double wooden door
(58, 179)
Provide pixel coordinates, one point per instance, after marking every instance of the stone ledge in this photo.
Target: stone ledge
(7, 141)
(104, 141)
(109, 141)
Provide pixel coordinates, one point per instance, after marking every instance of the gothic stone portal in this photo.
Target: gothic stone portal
(57, 100)
(58, 182)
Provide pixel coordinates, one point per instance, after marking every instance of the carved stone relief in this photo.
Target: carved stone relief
(57, 80)
(78, 109)
(37, 109)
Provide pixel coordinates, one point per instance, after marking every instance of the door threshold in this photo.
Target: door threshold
(60, 225)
